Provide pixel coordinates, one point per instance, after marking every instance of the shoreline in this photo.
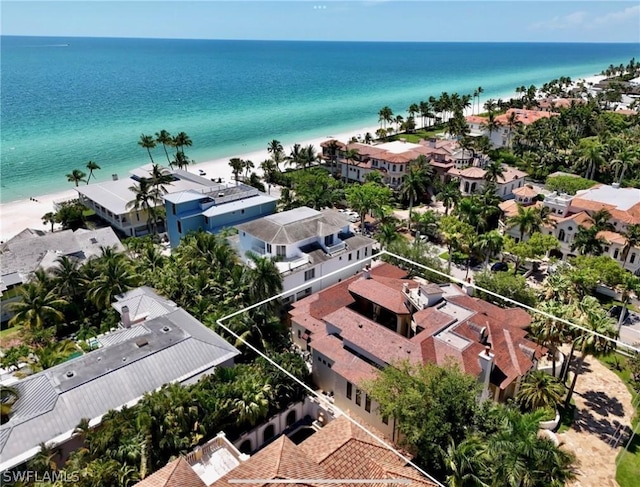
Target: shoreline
(20, 214)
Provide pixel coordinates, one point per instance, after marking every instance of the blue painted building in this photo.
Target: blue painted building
(214, 208)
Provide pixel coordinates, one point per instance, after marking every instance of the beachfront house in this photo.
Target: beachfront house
(568, 213)
(157, 343)
(112, 200)
(307, 244)
(391, 159)
(213, 208)
(371, 320)
(502, 135)
(472, 180)
(33, 249)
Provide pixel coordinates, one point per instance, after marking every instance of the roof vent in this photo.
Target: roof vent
(142, 342)
(220, 195)
(70, 374)
(124, 359)
(165, 329)
(93, 240)
(359, 325)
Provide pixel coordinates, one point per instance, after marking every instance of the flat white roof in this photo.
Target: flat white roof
(398, 147)
(292, 216)
(622, 198)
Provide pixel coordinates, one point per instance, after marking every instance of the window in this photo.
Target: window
(328, 240)
(366, 251)
(268, 248)
(633, 258)
(242, 212)
(299, 333)
(349, 390)
(358, 255)
(173, 208)
(350, 256)
(367, 403)
(358, 397)
(615, 254)
(137, 216)
(561, 235)
(310, 274)
(206, 220)
(394, 168)
(385, 419)
(281, 250)
(179, 226)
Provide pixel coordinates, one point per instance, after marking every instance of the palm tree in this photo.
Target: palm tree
(116, 277)
(253, 404)
(44, 461)
(53, 354)
(37, 308)
(548, 331)
(236, 167)
(68, 277)
(264, 278)
(590, 157)
(247, 165)
(602, 220)
(489, 244)
(387, 234)
(350, 156)
(147, 142)
(413, 186)
(145, 200)
(76, 176)
(632, 240)
(449, 195)
(385, 115)
(465, 463)
(91, 166)
(181, 141)
(587, 242)
(180, 160)
(512, 124)
(8, 397)
(295, 157)
(163, 137)
(527, 220)
(491, 124)
(594, 318)
(49, 218)
(494, 171)
(540, 390)
(630, 285)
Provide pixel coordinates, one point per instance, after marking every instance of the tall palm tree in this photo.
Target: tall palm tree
(92, 166)
(449, 194)
(49, 218)
(253, 403)
(489, 244)
(385, 116)
(54, 353)
(587, 242)
(181, 141)
(630, 285)
(593, 317)
(147, 142)
(602, 220)
(387, 234)
(76, 176)
(295, 157)
(494, 171)
(236, 167)
(527, 220)
(37, 308)
(163, 137)
(116, 278)
(550, 332)
(68, 277)
(540, 390)
(180, 160)
(145, 199)
(465, 463)
(350, 156)
(492, 124)
(590, 157)
(413, 186)
(264, 278)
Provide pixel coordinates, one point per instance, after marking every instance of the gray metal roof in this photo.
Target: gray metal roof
(178, 347)
(115, 195)
(238, 205)
(295, 225)
(29, 250)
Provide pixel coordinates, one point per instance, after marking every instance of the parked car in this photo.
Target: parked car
(616, 310)
(500, 267)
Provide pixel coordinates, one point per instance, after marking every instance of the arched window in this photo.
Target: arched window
(473, 187)
(245, 447)
(466, 186)
(269, 432)
(291, 417)
(561, 235)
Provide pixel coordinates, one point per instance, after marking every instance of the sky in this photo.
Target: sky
(352, 20)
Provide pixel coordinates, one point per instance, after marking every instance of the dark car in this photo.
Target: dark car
(500, 267)
(616, 310)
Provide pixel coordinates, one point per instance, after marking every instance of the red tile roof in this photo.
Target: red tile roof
(175, 474)
(380, 294)
(349, 366)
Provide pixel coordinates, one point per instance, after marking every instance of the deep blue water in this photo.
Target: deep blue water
(69, 100)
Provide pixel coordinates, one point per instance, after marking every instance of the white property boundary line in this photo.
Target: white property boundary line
(358, 264)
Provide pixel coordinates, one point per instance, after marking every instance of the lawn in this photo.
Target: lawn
(628, 470)
(418, 135)
(10, 334)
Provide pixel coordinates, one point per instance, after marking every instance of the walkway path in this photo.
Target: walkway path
(603, 405)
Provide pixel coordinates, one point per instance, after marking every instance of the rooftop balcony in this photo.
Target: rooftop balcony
(215, 459)
(290, 264)
(337, 247)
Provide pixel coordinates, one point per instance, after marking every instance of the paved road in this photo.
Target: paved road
(630, 331)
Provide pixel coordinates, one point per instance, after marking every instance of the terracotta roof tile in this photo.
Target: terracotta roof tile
(175, 474)
(525, 192)
(473, 173)
(612, 237)
(380, 294)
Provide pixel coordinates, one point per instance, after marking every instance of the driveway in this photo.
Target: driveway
(601, 426)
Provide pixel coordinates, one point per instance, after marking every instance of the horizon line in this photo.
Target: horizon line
(363, 41)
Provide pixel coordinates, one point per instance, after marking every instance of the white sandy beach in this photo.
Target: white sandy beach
(18, 215)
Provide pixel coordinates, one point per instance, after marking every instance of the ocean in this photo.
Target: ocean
(65, 101)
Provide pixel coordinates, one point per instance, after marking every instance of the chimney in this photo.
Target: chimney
(468, 289)
(126, 319)
(366, 272)
(485, 358)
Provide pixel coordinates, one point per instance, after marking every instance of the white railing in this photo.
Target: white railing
(336, 247)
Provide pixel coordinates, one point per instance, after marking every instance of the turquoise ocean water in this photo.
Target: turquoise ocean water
(65, 101)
